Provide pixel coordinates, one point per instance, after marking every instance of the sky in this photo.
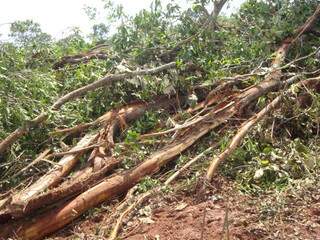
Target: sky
(57, 17)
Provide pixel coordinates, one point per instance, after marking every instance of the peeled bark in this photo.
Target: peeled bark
(52, 178)
(28, 199)
(51, 221)
(69, 190)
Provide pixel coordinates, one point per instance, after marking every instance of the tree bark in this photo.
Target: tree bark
(28, 199)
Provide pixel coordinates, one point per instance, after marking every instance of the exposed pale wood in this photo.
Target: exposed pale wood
(53, 177)
(67, 190)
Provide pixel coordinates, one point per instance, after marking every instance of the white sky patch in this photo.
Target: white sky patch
(57, 17)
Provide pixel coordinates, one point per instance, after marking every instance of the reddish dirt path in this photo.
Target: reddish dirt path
(180, 216)
(189, 223)
(292, 214)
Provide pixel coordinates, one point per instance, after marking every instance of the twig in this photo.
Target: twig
(203, 223)
(226, 233)
(188, 123)
(298, 60)
(59, 154)
(188, 164)
(176, 128)
(38, 159)
(74, 129)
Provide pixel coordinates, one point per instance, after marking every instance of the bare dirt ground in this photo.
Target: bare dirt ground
(220, 213)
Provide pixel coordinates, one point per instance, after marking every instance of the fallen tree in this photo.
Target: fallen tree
(209, 115)
(34, 196)
(103, 82)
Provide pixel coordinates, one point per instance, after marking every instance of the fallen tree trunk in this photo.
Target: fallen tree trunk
(52, 178)
(27, 200)
(56, 219)
(118, 184)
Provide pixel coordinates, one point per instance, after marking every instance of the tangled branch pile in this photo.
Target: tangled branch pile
(55, 199)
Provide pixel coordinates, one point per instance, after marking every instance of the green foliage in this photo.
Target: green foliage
(232, 45)
(146, 184)
(28, 34)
